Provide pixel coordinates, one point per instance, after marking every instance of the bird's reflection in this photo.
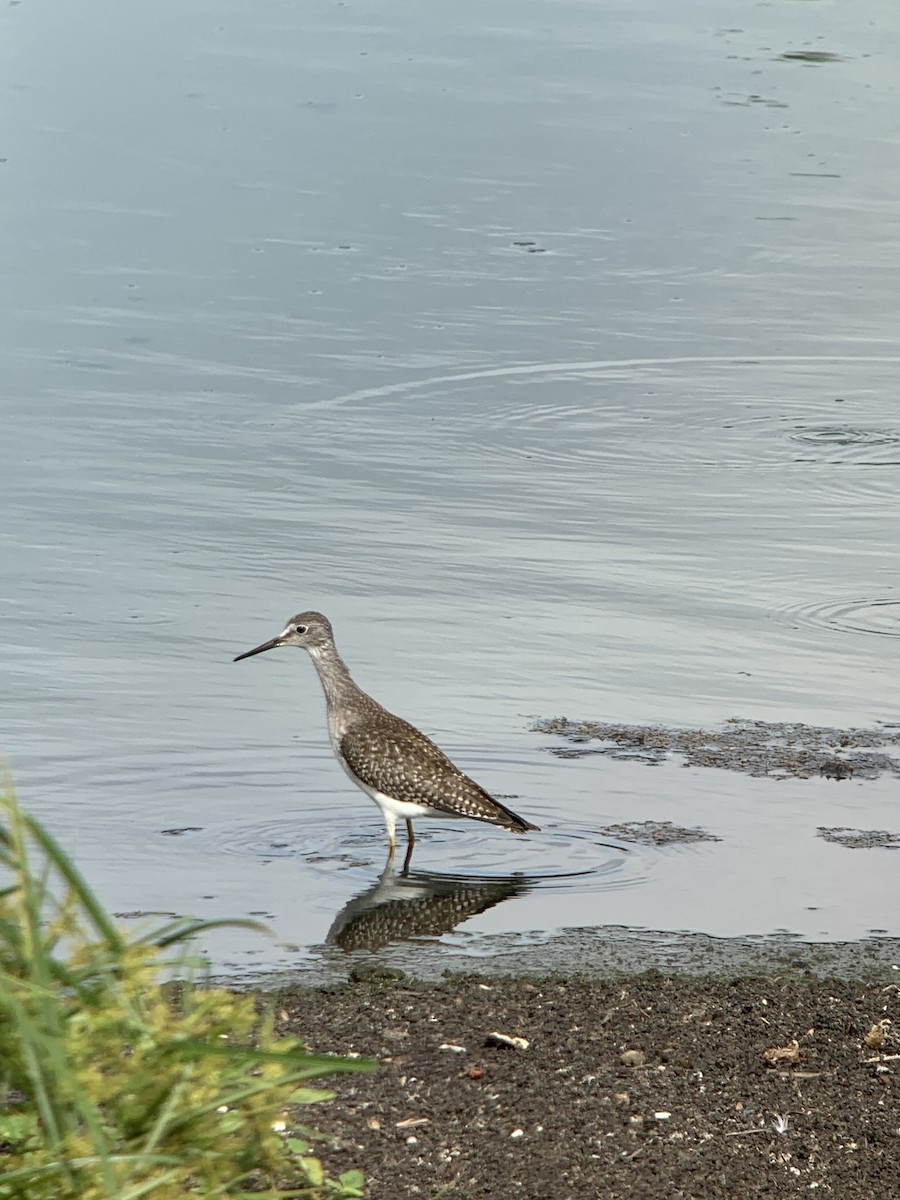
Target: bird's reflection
(409, 904)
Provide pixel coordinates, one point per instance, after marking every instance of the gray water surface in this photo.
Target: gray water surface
(551, 349)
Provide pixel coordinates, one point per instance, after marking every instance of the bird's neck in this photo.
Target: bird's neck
(337, 684)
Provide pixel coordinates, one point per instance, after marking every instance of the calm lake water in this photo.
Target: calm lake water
(551, 349)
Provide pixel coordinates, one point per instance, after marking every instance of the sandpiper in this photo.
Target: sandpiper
(398, 767)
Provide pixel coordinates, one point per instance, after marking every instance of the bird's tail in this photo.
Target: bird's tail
(512, 821)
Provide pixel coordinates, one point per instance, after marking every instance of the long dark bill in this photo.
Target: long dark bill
(270, 645)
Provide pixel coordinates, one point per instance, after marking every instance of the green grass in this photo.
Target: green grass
(114, 1086)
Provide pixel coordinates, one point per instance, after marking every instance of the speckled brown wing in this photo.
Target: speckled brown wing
(395, 759)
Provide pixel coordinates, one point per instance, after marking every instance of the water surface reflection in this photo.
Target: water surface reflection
(404, 905)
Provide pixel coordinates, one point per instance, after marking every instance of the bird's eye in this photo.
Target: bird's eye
(299, 629)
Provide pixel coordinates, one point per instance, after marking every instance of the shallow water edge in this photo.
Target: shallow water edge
(605, 953)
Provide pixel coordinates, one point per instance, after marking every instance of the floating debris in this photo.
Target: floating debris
(816, 57)
(776, 749)
(657, 833)
(859, 839)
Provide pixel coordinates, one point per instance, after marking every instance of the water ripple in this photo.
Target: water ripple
(878, 615)
(849, 444)
(679, 413)
(560, 857)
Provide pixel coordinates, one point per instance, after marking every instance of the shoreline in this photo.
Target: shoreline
(600, 953)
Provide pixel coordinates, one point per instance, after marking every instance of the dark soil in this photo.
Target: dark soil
(657, 1087)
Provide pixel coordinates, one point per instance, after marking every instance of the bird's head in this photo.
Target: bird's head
(308, 630)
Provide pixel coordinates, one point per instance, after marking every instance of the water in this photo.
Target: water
(551, 352)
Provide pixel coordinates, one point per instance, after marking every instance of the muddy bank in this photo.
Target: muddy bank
(601, 952)
(755, 747)
(649, 1086)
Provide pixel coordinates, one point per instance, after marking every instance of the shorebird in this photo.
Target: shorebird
(398, 767)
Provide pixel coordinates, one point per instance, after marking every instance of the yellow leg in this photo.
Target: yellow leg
(410, 842)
